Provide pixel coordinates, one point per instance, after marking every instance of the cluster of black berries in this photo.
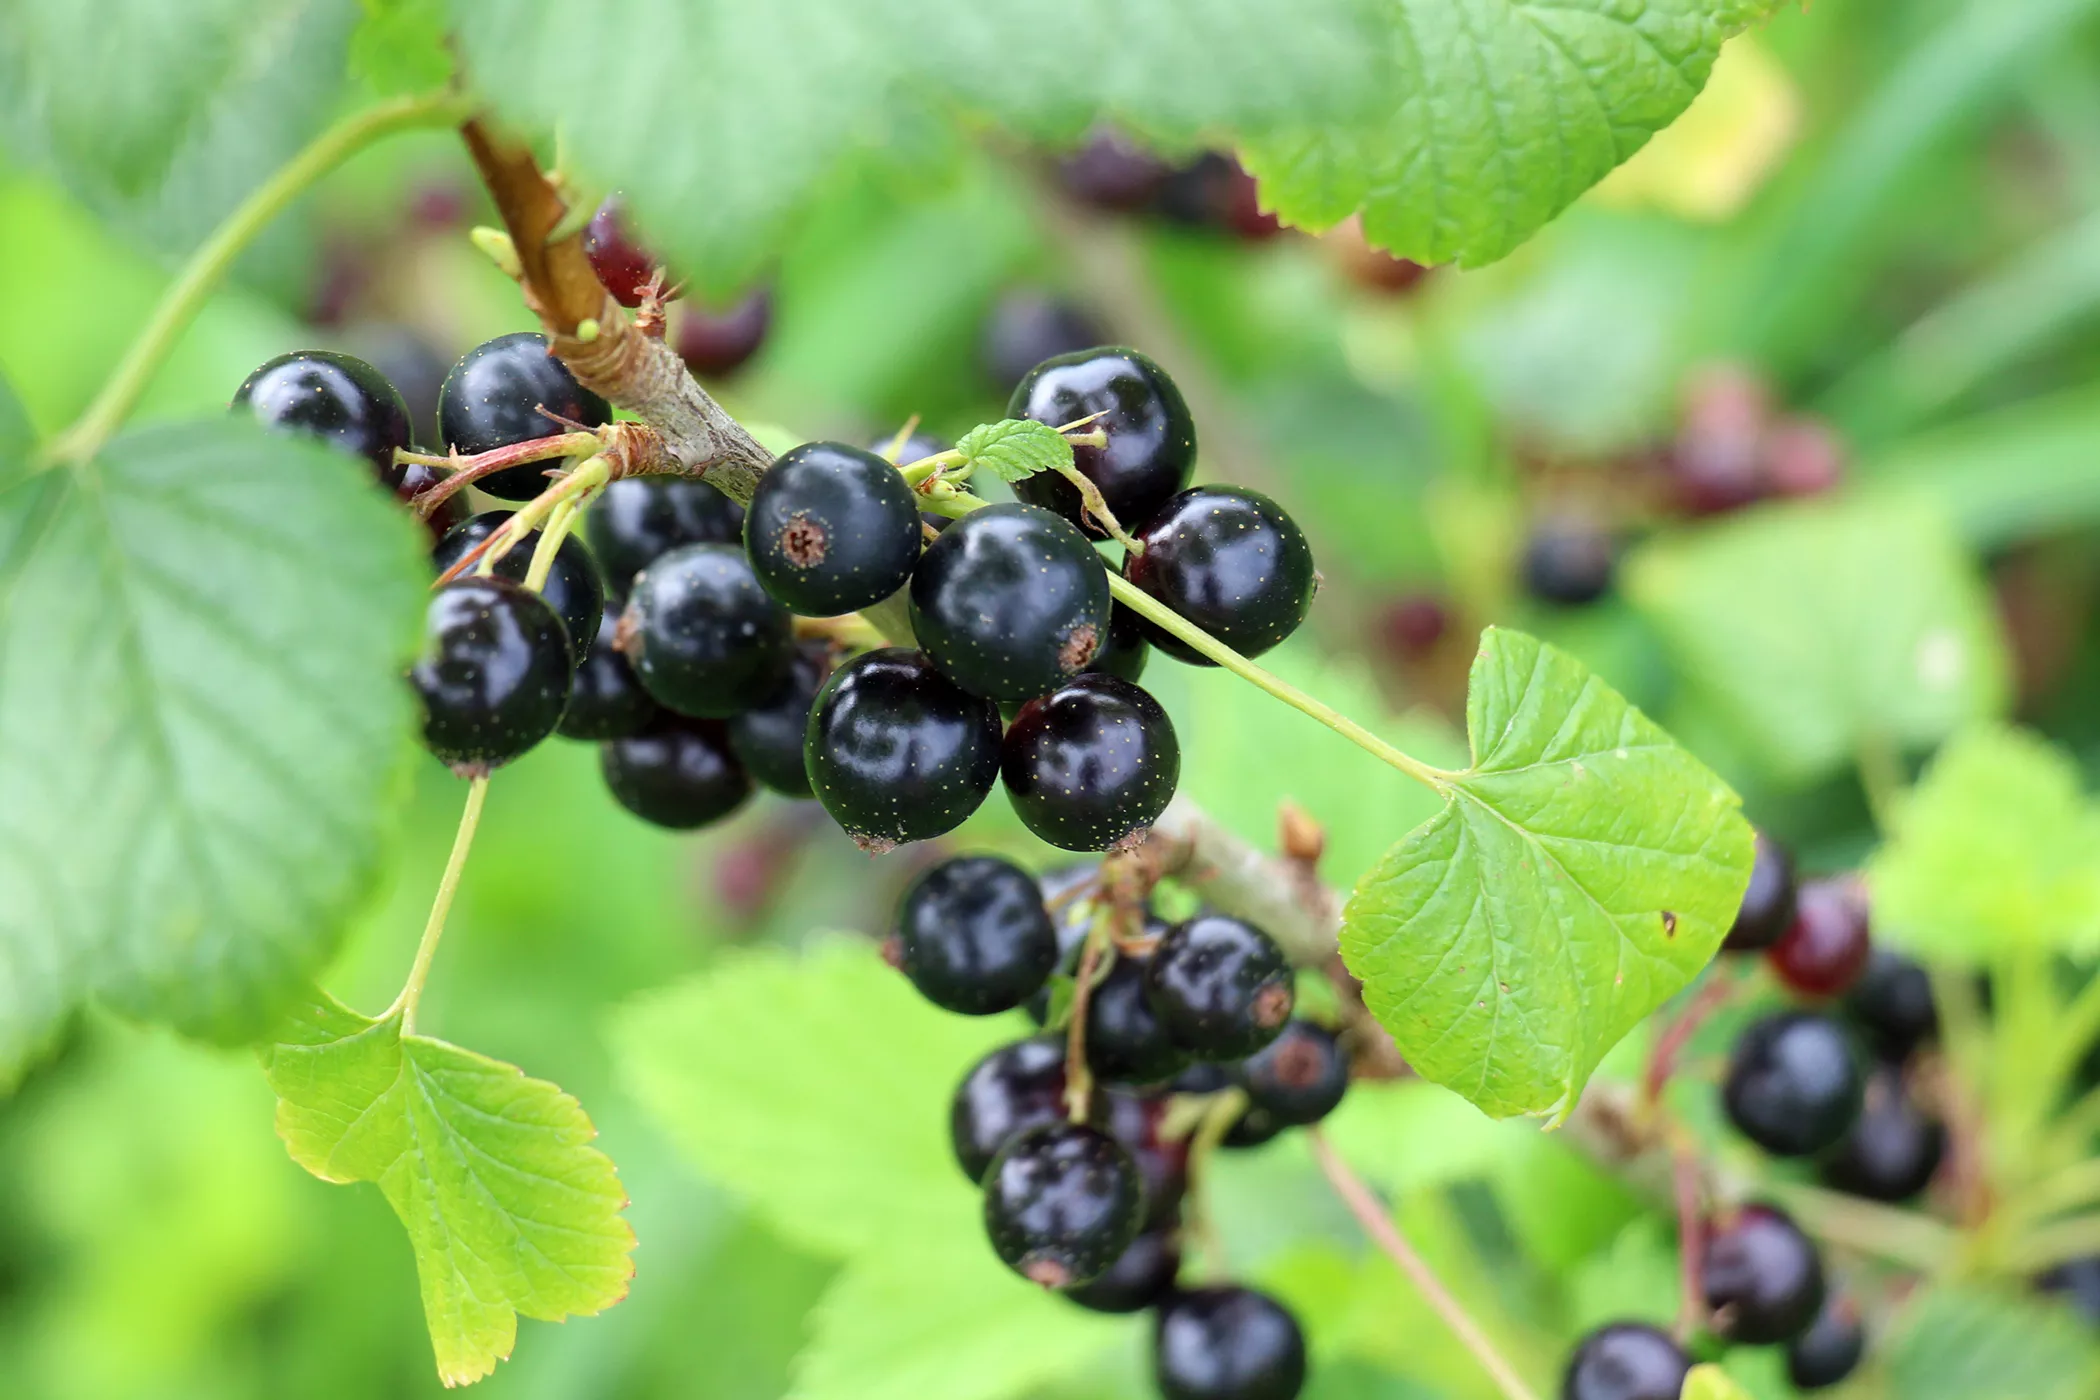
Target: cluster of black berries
(1176, 1013)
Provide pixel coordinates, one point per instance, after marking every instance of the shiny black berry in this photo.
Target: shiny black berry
(832, 529)
(337, 398)
(1298, 1077)
(1136, 1119)
(1763, 1277)
(1892, 1004)
(1626, 1361)
(1768, 902)
(1227, 1344)
(768, 736)
(1222, 986)
(1090, 763)
(1015, 1087)
(898, 752)
(1830, 1350)
(1151, 447)
(1229, 560)
(1027, 327)
(1126, 1041)
(1253, 1127)
(702, 635)
(573, 588)
(639, 519)
(1126, 651)
(621, 262)
(494, 675)
(511, 390)
(678, 773)
(1061, 1203)
(414, 480)
(1010, 602)
(717, 341)
(1569, 560)
(606, 701)
(1794, 1084)
(1142, 1276)
(973, 936)
(1893, 1149)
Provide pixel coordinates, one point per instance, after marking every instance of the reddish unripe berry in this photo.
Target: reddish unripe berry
(719, 342)
(622, 263)
(1826, 949)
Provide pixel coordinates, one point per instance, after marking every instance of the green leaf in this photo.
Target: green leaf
(509, 1208)
(1014, 448)
(1635, 1277)
(399, 47)
(16, 434)
(202, 723)
(1973, 1343)
(1582, 871)
(1710, 1382)
(1997, 848)
(1812, 631)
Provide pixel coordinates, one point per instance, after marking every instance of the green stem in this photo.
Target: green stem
(1902, 1236)
(182, 301)
(434, 927)
(1150, 608)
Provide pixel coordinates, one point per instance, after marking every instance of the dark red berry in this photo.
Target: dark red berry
(1299, 1077)
(677, 773)
(1716, 463)
(1626, 1361)
(1015, 1087)
(1794, 1085)
(1126, 1041)
(511, 390)
(973, 936)
(622, 263)
(1232, 562)
(1227, 1344)
(1142, 1276)
(768, 736)
(718, 342)
(702, 635)
(336, 398)
(1027, 327)
(1569, 560)
(1109, 172)
(606, 701)
(1830, 1350)
(639, 519)
(1216, 192)
(1893, 1149)
(1412, 625)
(898, 752)
(832, 529)
(494, 675)
(1803, 457)
(1763, 1277)
(1010, 602)
(573, 588)
(1767, 911)
(1090, 763)
(1826, 948)
(1061, 1203)
(1151, 437)
(1892, 1004)
(1221, 985)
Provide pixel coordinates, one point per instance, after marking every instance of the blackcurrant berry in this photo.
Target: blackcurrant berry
(639, 519)
(1206, 1077)
(606, 701)
(2077, 1281)
(1126, 651)
(1215, 192)
(1626, 1361)
(337, 398)
(1763, 1277)
(1299, 1077)
(1252, 1128)
(1010, 602)
(1151, 439)
(973, 936)
(1126, 1041)
(1027, 327)
(1793, 1084)
(702, 635)
(1823, 952)
(1222, 986)
(1135, 1120)
(1830, 1350)
(1569, 560)
(1893, 1149)
(1016, 1087)
(412, 481)
(1142, 1276)
(898, 752)
(677, 773)
(1892, 1004)
(1767, 911)
(622, 263)
(832, 529)
(719, 341)
(1110, 173)
(1227, 1344)
(494, 675)
(1090, 763)
(768, 736)
(1061, 1202)
(573, 588)
(511, 390)
(1232, 562)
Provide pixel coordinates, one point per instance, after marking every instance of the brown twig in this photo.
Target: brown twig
(1662, 1061)
(1691, 1241)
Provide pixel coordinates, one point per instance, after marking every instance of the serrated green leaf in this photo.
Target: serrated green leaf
(1814, 630)
(508, 1206)
(1582, 871)
(399, 47)
(202, 723)
(1710, 1382)
(1998, 847)
(1975, 1343)
(1014, 448)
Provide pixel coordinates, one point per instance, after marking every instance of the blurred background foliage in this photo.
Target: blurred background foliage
(1883, 220)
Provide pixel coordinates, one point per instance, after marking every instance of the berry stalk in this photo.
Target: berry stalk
(441, 906)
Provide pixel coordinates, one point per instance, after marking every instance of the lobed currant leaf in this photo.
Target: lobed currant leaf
(1014, 448)
(507, 1205)
(1582, 871)
(1998, 847)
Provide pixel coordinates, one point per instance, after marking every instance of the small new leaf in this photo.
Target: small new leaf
(1582, 871)
(1014, 448)
(508, 1206)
